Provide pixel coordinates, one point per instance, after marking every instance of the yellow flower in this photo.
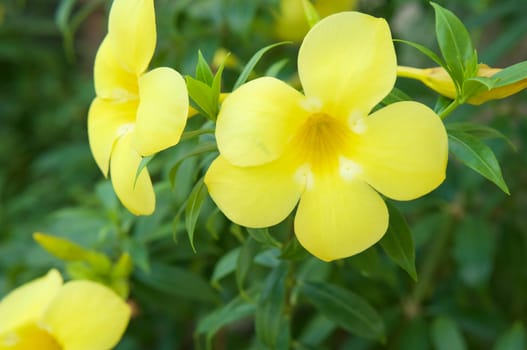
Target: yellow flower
(291, 22)
(46, 314)
(321, 149)
(135, 113)
(438, 80)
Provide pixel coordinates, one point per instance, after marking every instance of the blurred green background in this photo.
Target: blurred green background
(471, 239)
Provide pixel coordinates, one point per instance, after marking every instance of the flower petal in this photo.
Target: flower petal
(258, 196)
(106, 119)
(257, 121)
(337, 218)
(27, 302)
(162, 112)
(137, 196)
(132, 32)
(347, 61)
(112, 81)
(403, 151)
(87, 316)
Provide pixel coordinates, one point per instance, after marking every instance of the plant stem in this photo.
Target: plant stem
(449, 109)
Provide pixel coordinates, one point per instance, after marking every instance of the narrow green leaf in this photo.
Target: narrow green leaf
(455, 44)
(477, 156)
(201, 148)
(225, 266)
(480, 131)
(245, 260)
(511, 74)
(311, 13)
(263, 236)
(144, 162)
(235, 310)
(424, 50)
(188, 135)
(345, 308)
(203, 72)
(293, 250)
(398, 242)
(474, 86)
(194, 203)
(316, 331)
(216, 90)
(201, 94)
(252, 63)
(139, 253)
(276, 68)
(395, 95)
(513, 339)
(269, 318)
(446, 335)
(63, 14)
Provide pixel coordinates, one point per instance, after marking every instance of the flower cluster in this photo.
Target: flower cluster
(322, 151)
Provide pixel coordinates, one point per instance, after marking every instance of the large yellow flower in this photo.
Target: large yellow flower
(438, 80)
(135, 113)
(45, 314)
(279, 147)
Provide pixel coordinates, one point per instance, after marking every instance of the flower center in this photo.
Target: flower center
(29, 337)
(324, 143)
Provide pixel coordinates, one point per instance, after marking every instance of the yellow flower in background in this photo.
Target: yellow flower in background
(136, 113)
(291, 22)
(438, 80)
(46, 314)
(322, 149)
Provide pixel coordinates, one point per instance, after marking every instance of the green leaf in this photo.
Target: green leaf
(395, 95)
(269, 318)
(202, 96)
(424, 50)
(446, 335)
(311, 13)
(513, 339)
(477, 156)
(144, 162)
(474, 86)
(177, 281)
(510, 75)
(225, 266)
(237, 309)
(345, 308)
(276, 68)
(263, 236)
(455, 44)
(293, 250)
(480, 131)
(398, 242)
(188, 135)
(316, 331)
(203, 72)
(245, 260)
(201, 148)
(252, 63)
(193, 208)
(139, 253)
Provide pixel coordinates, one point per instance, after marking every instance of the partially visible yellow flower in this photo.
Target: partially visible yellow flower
(46, 314)
(438, 80)
(136, 113)
(291, 22)
(322, 149)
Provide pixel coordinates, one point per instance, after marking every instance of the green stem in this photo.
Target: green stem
(449, 109)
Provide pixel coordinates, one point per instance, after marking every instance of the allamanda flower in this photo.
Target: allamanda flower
(135, 113)
(438, 80)
(46, 314)
(321, 149)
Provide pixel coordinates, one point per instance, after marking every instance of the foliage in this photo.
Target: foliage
(449, 274)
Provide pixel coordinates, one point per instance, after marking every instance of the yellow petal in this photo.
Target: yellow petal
(87, 316)
(403, 151)
(257, 121)
(337, 218)
(27, 302)
(106, 121)
(258, 196)
(132, 32)
(29, 337)
(347, 62)
(162, 112)
(112, 81)
(138, 197)
(436, 79)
